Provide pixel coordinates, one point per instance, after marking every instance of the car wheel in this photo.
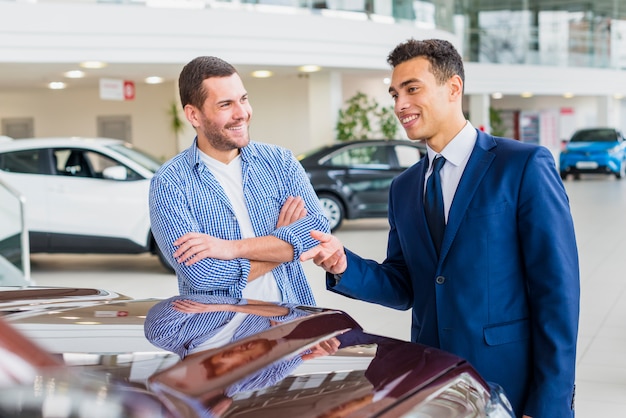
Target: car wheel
(563, 175)
(333, 209)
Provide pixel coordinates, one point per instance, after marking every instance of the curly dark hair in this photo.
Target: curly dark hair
(195, 72)
(444, 59)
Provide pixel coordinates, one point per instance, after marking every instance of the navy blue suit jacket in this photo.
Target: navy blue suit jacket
(505, 292)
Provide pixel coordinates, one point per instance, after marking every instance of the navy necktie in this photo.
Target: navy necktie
(433, 204)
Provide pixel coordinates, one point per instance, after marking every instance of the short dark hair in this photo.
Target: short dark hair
(195, 72)
(445, 61)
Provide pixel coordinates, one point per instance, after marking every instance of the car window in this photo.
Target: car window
(370, 156)
(595, 135)
(85, 163)
(28, 161)
(407, 155)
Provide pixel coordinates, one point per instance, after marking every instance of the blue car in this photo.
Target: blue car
(594, 150)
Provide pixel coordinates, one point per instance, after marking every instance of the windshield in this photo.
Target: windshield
(144, 159)
(595, 135)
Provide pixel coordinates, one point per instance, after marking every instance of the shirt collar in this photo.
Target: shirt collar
(193, 153)
(459, 148)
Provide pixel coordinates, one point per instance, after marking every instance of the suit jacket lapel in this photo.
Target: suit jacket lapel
(477, 166)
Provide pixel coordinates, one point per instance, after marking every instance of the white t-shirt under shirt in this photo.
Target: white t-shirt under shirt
(231, 178)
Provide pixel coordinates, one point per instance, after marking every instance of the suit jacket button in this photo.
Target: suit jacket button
(440, 280)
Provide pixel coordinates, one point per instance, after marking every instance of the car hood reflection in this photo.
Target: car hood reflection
(256, 367)
(237, 358)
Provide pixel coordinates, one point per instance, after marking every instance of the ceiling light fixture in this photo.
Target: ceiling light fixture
(497, 95)
(262, 74)
(568, 95)
(526, 94)
(309, 68)
(386, 80)
(153, 80)
(94, 65)
(57, 85)
(74, 74)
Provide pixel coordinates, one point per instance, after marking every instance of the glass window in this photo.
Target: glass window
(22, 162)
(370, 156)
(595, 135)
(85, 163)
(407, 155)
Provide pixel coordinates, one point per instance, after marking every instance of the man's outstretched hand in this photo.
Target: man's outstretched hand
(329, 254)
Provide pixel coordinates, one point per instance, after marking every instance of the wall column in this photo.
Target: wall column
(479, 111)
(609, 112)
(325, 100)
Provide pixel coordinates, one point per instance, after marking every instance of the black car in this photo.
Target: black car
(352, 178)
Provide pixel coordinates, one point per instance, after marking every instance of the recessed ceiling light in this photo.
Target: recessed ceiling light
(309, 68)
(262, 74)
(497, 95)
(386, 80)
(618, 96)
(526, 94)
(93, 64)
(74, 74)
(153, 80)
(568, 95)
(57, 85)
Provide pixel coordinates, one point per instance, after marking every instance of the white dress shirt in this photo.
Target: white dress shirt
(456, 153)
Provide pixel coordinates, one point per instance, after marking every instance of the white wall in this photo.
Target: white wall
(280, 112)
(73, 112)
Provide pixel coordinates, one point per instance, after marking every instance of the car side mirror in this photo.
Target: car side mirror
(117, 172)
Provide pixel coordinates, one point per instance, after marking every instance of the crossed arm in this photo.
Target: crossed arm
(264, 253)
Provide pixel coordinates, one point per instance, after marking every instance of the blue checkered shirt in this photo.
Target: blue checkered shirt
(186, 197)
(181, 332)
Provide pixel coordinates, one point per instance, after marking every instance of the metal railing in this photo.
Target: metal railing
(24, 241)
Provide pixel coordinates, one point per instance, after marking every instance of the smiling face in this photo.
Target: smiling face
(223, 121)
(428, 110)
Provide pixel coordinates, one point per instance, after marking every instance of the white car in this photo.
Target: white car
(82, 195)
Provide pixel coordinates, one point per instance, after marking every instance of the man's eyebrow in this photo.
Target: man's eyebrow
(409, 81)
(225, 101)
(404, 84)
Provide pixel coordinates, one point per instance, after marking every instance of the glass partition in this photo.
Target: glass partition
(573, 33)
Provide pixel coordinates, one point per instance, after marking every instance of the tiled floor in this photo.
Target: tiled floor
(599, 209)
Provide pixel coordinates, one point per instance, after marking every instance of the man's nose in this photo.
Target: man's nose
(242, 111)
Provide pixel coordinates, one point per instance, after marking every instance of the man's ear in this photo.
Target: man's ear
(191, 113)
(455, 84)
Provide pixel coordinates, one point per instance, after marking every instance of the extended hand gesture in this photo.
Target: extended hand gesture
(329, 254)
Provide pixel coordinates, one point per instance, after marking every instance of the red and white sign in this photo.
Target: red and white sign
(113, 89)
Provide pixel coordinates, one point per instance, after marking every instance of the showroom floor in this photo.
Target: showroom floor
(599, 210)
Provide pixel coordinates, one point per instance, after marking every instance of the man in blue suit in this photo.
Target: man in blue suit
(502, 289)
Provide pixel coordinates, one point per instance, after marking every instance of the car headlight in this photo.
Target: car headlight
(615, 149)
